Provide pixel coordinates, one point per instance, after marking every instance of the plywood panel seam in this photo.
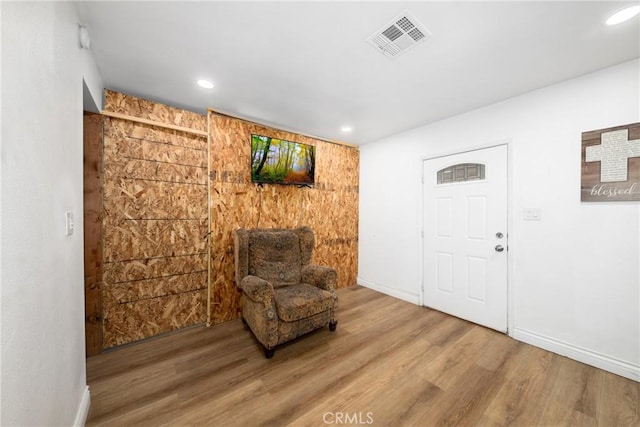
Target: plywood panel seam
(157, 277)
(165, 162)
(169, 294)
(158, 257)
(203, 150)
(163, 180)
(164, 219)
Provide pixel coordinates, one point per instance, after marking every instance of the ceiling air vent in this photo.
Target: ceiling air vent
(399, 35)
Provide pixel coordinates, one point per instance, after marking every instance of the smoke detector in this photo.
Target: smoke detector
(402, 33)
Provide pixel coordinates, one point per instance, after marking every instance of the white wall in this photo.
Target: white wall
(43, 378)
(575, 275)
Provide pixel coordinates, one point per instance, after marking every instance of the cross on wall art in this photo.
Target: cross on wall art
(611, 164)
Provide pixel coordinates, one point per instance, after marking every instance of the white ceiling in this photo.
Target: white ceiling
(306, 66)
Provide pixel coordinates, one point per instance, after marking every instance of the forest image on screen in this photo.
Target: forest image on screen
(281, 162)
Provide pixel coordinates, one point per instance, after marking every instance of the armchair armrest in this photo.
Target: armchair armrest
(320, 276)
(258, 290)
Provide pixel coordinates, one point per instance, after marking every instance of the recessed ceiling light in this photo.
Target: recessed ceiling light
(205, 84)
(623, 15)
(346, 129)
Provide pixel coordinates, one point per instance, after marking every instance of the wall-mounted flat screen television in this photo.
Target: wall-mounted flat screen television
(277, 161)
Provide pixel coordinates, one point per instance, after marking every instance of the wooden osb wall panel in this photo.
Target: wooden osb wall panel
(148, 317)
(116, 102)
(330, 208)
(127, 271)
(137, 239)
(155, 220)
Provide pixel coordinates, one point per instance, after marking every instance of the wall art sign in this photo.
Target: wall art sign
(611, 164)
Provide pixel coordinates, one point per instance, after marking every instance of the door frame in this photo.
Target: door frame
(511, 251)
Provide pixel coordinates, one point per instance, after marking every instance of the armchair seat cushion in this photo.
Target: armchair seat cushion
(295, 302)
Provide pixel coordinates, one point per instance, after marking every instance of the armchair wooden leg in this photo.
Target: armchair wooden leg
(332, 325)
(268, 352)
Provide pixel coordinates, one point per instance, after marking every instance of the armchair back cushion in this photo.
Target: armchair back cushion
(275, 257)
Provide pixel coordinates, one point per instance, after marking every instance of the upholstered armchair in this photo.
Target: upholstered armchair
(283, 295)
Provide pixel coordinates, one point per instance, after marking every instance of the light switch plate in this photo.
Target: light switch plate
(68, 224)
(532, 214)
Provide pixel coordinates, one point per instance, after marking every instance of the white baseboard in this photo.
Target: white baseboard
(580, 354)
(83, 409)
(403, 295)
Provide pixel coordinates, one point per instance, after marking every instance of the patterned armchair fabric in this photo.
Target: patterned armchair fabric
(283, 295)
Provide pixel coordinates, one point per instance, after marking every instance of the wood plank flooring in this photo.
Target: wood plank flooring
(389, 363)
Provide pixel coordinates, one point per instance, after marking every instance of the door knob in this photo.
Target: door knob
(499, 248)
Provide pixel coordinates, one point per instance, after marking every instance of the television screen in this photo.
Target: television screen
(281, 162)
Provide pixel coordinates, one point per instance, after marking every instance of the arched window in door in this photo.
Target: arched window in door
(461, 172)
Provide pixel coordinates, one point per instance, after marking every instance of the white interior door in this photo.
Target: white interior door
(465, 235)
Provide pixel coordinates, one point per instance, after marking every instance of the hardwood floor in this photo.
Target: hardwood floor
(389, 363)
